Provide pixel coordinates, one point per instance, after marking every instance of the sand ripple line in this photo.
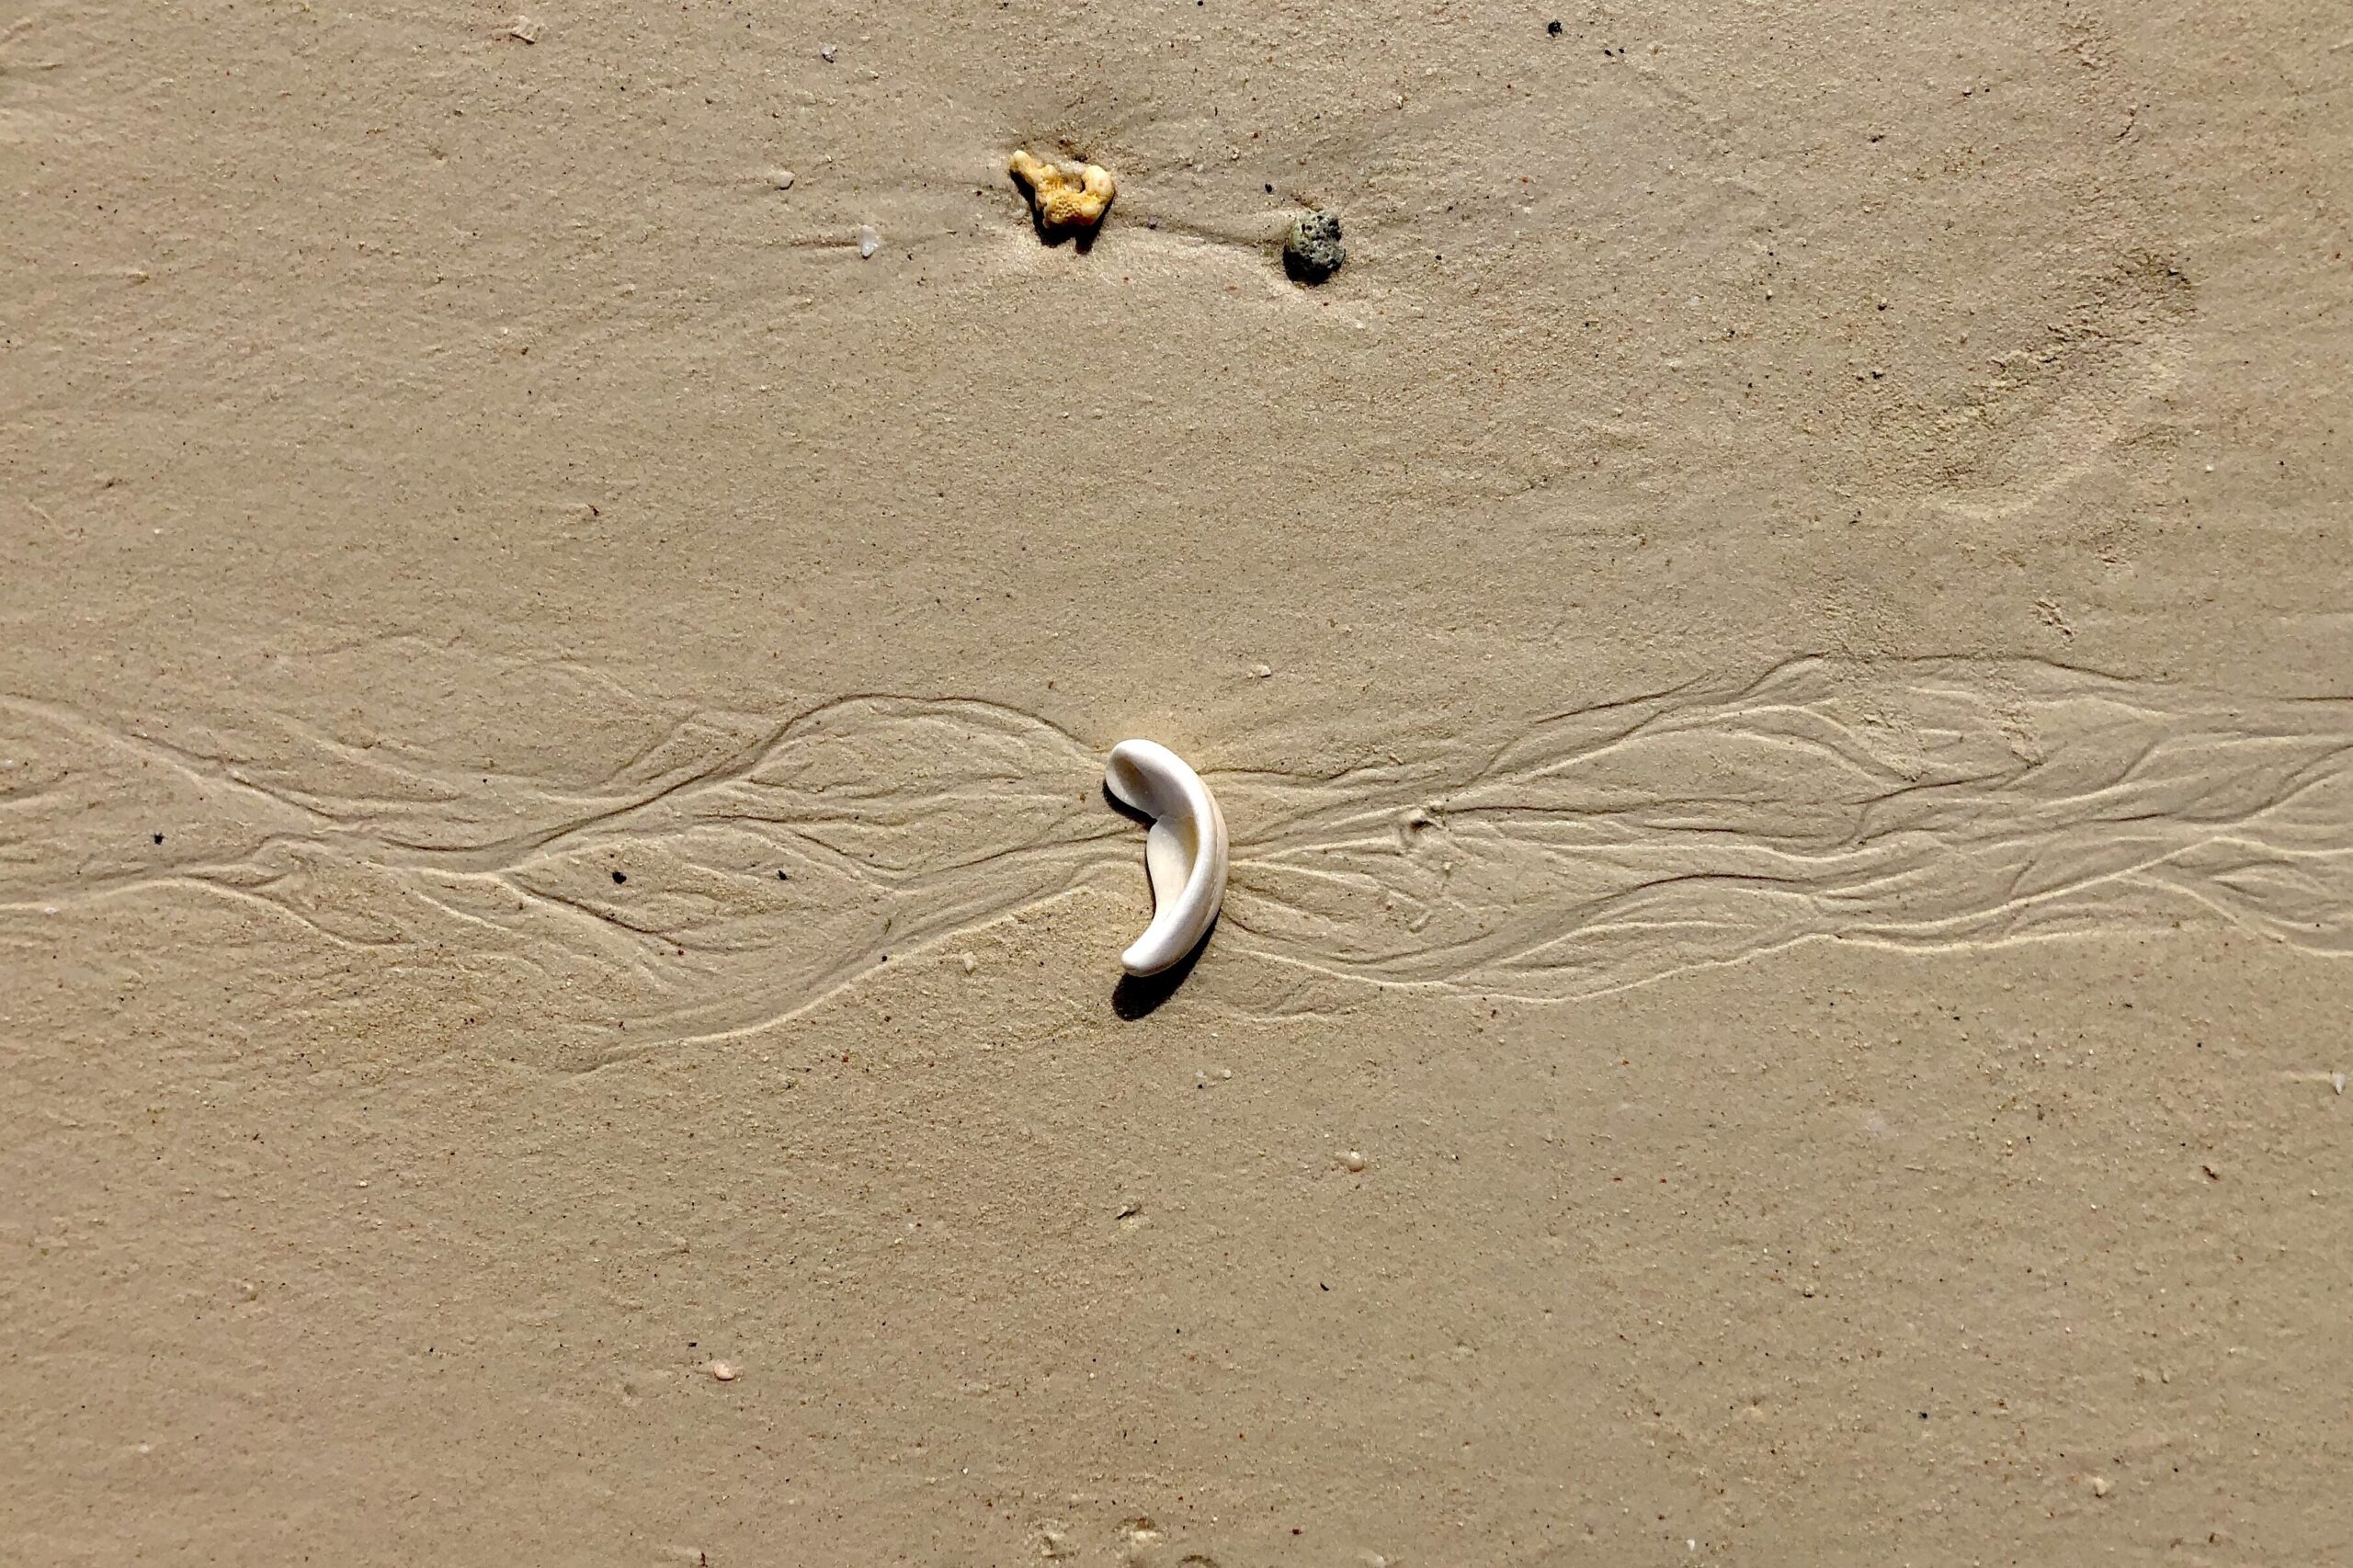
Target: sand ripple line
(732, 870)
(1924, 804)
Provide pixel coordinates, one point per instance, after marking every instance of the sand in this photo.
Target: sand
(1775, 648)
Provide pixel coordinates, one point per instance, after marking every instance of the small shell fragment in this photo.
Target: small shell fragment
(1184, 852)
(869, 242)
(1064, 200)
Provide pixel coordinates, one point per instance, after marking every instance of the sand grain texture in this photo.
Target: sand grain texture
(1774, 649)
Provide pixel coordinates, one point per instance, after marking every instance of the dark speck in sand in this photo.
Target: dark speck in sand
(1553, 28)
(620, 876)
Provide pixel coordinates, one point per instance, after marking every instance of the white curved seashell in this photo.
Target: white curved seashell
(1184, 851)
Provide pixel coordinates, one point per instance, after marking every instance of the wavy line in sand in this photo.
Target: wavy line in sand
(1924, 804)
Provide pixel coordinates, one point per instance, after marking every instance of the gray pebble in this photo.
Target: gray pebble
(1312, 251)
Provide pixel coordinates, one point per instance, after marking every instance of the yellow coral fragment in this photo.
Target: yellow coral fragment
(1063, 199)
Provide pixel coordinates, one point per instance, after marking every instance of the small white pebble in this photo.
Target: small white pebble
(2336, 1081)
(2100, 1486)
(827, 53)
(1262, 671)
(781, 179)
(723, 1370)
(869, 242)
(1352, 1160)
(970, 963)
